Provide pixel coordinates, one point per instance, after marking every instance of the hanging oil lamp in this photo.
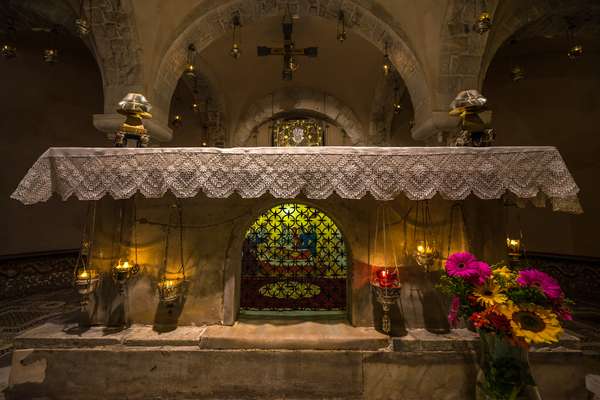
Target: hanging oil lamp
(86, 278)
(513, 247)
(341, 27)
(177, 121)
(576, 49)
(425, 252)
(236, 47)
(385, 279)
(190, 69)
(50, 54)
(171, 285)
(483, 23)
(387, 64)
(517, 73)
(397, 105)
(81, 24)
(8, 47)
(124, 269)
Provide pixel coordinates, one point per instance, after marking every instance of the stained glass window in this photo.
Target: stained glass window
(294, 258)
(298, 132)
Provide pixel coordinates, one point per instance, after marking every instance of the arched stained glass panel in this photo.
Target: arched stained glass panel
(294, 258)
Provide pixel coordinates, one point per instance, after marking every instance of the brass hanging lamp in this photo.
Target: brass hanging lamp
(82, 25)
(387, 64)
(50, 54)
(190, 65)
(576, 48)
(236, 44)
(125, 269)
(426, 251)
(86, 277)
(385, 273)
(517, 72)
(397, 104)
(171, 285)
(341, 27)
(8, 47)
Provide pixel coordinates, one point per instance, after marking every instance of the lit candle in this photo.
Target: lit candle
(84, 274)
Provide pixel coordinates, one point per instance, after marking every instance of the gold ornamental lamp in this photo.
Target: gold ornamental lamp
(132, 133)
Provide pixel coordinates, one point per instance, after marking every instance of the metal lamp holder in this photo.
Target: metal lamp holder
(86, 279)
(387, 291)
(170, 291)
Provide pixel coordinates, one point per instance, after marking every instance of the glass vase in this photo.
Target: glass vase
(504, 372)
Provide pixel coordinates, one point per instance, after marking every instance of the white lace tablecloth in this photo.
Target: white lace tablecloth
(536, 173)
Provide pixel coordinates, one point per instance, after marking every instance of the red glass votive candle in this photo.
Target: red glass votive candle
(386, 277)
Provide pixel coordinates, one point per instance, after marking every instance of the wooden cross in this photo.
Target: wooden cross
(288, 51)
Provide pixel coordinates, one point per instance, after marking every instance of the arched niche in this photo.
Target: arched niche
(209, 22)
(294, 259)
(299, 102)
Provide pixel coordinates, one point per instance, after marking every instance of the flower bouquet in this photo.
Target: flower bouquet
(511, 310)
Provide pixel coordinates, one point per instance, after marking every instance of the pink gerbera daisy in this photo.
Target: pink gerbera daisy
(453, 314)
(545, 283)
(483, 272)
(462, 265)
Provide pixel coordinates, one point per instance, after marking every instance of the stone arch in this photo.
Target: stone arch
(298, 99)
(513, 16)
(210, 21)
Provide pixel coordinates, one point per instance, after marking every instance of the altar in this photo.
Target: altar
(273, 251)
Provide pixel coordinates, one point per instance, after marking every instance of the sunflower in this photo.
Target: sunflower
(489, 294)
(503, 272)
(532, 323)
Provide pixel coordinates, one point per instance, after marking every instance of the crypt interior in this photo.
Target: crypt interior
(292, 153)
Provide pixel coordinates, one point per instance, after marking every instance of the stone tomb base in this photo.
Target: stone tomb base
(265, 360)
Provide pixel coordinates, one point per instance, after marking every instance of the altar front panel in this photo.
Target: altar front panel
(214, 235)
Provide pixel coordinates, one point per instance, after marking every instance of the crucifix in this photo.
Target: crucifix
(288, 51)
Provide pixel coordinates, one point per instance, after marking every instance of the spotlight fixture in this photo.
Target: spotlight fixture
(195, 107)
(341, 27)
(576, 49)
(190, 69)
(82, 24)
(8, 48)
(236, 47)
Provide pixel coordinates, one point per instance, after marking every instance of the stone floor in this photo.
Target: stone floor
(40, 314)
